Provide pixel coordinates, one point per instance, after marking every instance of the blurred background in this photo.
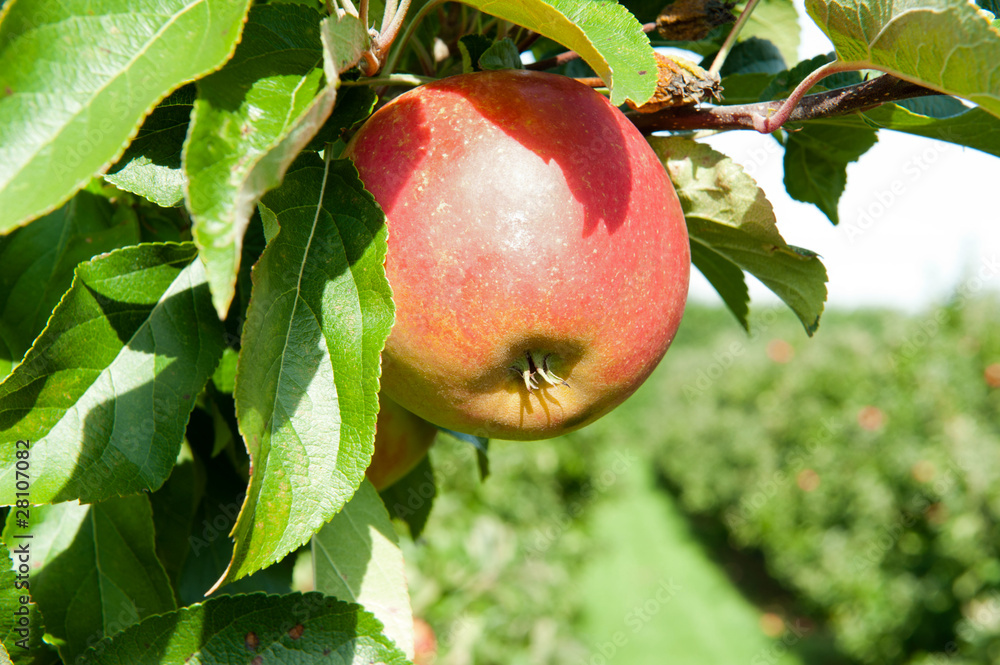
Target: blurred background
(764, 498)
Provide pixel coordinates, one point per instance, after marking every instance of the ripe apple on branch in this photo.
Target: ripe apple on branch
(538, 254)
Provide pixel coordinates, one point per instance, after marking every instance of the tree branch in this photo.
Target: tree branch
(858, 97)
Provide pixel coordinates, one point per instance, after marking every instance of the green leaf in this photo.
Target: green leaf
(725, 277)
(356, 557)
(941, 44)
(745, 88)
(194, 512)
(727, 213)
(307, 377)
(252, 118)
(105, 392)
(411, 497)
(778, 22)
(174, 507)
(501, 54)
(21, 626)
(291, 629)
(973, 128)
(151, 166)
(605, 34)
(224, 377)
(37, 263)
(472, 48)
(751, 56)
(816, 159)
(78, 78)
(483, 461)
(94, 569)
(354, 104)
(644, 10)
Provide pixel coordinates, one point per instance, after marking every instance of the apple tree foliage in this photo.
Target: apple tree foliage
(192, 298)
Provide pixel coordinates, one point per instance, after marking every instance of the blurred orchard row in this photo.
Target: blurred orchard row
(764, 498)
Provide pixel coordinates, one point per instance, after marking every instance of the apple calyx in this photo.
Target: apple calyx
(531, 366)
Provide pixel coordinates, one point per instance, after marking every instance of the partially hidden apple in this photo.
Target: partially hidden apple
(402, 439)
(538, 254)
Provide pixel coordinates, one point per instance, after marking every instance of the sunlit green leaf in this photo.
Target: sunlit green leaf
(94, 569)
(292, 629)
(77, 79)
(37, 263)
(356, 557)
(816, 159)
(251, 119)
(151, 166)
(605, 34)
(727, 213)
(946, 45)
(105, 392)
(307, 378)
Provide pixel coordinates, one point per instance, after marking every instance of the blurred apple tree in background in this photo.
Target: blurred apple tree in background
(832, 500)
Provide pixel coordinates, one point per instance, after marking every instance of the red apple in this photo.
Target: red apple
(401, 441)
(538, 255)
(424, 643)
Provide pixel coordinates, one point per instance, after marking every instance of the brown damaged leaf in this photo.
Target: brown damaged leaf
(680, 83)
(692, 20)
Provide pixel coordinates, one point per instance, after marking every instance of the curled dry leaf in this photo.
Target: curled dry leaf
(692, 20)
(680, 83)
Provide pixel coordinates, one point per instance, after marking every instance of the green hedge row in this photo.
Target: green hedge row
(864, 464)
